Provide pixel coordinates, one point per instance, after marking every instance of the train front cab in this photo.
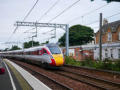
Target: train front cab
(57, 55)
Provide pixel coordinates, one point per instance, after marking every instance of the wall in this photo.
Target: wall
(78, 53)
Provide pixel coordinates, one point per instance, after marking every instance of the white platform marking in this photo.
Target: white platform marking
(34, 82)
(11, 79)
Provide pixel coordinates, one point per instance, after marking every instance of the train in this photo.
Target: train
(48, 55)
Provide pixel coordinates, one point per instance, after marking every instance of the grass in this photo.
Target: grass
(105, 65)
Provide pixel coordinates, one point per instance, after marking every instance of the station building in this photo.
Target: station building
(110, 44)
(110, 41)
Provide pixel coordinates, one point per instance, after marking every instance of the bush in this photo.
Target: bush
(106, 64)
(117, 65)
(71, 61)
(87, 62)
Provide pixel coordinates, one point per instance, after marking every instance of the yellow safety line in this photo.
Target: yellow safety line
(23, 83)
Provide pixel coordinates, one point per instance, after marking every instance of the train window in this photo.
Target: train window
(40, 52)
(54, 49)
(44, 51)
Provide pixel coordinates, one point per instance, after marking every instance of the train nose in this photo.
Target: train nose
(58, 59)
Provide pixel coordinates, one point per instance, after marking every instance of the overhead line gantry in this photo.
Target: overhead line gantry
(52, 25)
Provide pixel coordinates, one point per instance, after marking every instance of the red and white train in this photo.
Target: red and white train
(47, 55)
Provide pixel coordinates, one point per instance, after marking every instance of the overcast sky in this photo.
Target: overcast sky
(16, 10)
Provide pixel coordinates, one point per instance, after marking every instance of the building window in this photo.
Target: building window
(119, 36)
(118, 53)
(109, 36)
(111, 50)
(77, 54)
(106, 53)
(71, 52)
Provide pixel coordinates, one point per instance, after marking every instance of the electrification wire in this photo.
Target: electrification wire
(105, 17)
(30, 10)
(23, 19)
(25, 32)
(87, 13)
(92, 22)
(48, 31)
(27, 14)
(49, 10)
(28, 30)
(9, 37)
(64, 10)
(113, 15)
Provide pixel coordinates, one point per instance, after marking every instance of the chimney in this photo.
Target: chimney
(105, 21)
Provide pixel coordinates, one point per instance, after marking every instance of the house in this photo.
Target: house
(110, 41)
(110, 44)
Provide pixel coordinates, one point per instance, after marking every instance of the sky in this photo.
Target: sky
(84, 12)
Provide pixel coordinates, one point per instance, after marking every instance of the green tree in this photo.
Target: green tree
(29, 44)
(6, 49)
(14, 47)
(78, 35)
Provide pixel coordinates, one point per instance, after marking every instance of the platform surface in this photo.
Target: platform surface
(8, 80)
(16, 78)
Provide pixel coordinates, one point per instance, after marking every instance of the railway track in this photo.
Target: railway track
(96, 82)
(69, 83)
(89, 79)
(72, 74)
(104, 74)
(51, 82)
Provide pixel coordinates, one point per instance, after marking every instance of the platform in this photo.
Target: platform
(16, 78)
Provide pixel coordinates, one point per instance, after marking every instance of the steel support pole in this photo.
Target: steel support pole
(100, 38)
(55, 30)
(67, 40)
(36, 31)
(32, 41)
(36, 28)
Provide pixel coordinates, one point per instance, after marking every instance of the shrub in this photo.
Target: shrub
(87, 62)
(117, 65)
(106, 64)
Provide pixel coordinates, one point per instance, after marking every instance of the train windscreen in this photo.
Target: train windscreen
(54, 50)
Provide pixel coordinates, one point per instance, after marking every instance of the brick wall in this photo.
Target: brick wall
(115, 36)
(80, 54)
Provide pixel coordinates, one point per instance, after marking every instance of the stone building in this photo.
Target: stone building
(110, 44)
(110, 41)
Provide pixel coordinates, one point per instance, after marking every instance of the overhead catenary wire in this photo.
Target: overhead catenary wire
(64, 10)
(27, 14)
(49, 10)
(69, 7)
(105, 17)
(113, 15)
(30, 10)
(92, 22)
(46, 12)
(23, 19)
(57, 15)
(85, 14)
